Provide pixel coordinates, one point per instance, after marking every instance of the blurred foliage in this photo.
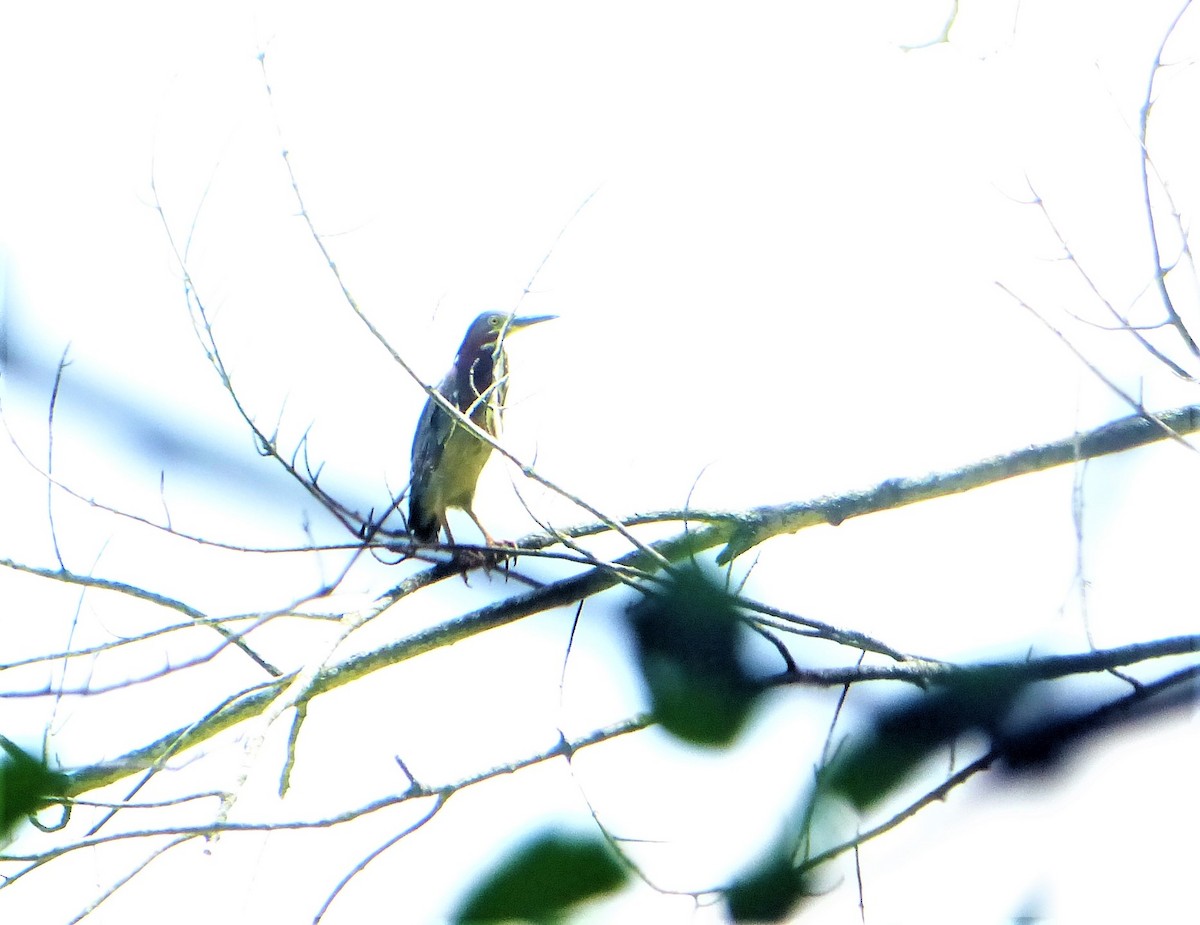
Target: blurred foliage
(904, 735)
(770, 890)
(26, 785)
(543, 879)
(688, 636)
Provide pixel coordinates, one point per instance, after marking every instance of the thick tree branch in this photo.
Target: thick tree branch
(1125, 434)
(1041, 668)
(740, 534)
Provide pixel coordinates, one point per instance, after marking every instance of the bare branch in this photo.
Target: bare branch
(1127, 433)
(1160, 272)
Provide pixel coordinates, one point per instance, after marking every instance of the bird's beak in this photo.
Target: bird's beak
(517, 324)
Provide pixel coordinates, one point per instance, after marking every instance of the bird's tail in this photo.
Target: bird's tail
(422, 524)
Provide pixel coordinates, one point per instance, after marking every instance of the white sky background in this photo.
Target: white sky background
(781, 288)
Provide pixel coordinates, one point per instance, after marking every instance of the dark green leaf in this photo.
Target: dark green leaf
(26, 785)
(542, 879)
(767, 893)
(689, 635)
(975, 700)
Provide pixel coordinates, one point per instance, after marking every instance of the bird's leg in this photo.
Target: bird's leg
(487, 537)
(467, 558)
(494, 557)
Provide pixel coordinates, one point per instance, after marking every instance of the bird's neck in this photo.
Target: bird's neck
(476, 373)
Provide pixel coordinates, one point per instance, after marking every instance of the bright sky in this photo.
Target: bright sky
(773, 239)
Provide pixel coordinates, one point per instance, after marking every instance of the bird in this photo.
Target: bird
(447, 456)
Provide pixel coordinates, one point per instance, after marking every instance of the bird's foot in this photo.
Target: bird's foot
(488, 559)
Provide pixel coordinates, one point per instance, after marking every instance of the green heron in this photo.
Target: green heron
(447, 457)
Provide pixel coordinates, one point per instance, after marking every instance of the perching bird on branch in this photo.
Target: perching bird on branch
(447, 457)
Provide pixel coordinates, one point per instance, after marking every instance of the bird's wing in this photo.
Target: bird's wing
(429, 443)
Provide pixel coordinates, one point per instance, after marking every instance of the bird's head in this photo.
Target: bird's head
(489, 328)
